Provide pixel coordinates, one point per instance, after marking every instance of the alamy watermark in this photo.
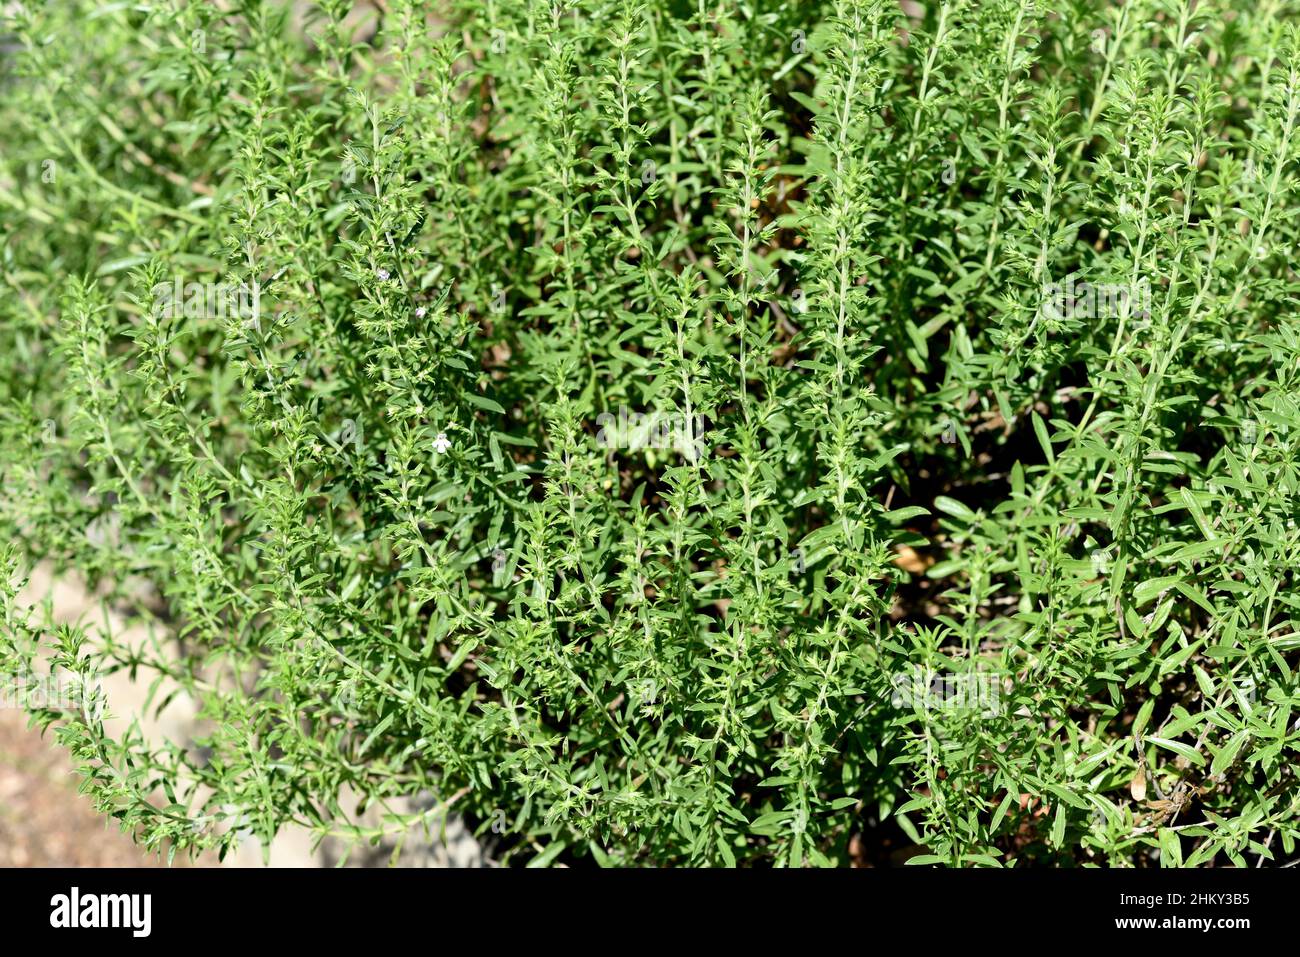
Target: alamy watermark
(653, 430)
(923, 689)
(74, 910)
(207, 300)
(29, 691)
(1073, 299)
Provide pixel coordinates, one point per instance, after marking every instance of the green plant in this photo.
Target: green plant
(643, 402)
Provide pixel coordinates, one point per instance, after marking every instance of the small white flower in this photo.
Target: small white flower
(442, 443)
(420, 313)
(382, 274)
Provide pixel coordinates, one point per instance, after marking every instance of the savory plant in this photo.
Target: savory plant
(667, 433)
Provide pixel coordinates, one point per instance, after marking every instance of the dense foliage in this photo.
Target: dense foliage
(668, 432)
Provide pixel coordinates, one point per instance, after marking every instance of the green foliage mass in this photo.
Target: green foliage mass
(401, 530)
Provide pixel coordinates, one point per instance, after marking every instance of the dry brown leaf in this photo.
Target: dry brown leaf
(908, 560)
(1138, 786)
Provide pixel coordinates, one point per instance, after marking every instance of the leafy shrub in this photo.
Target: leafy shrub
(669, 432)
